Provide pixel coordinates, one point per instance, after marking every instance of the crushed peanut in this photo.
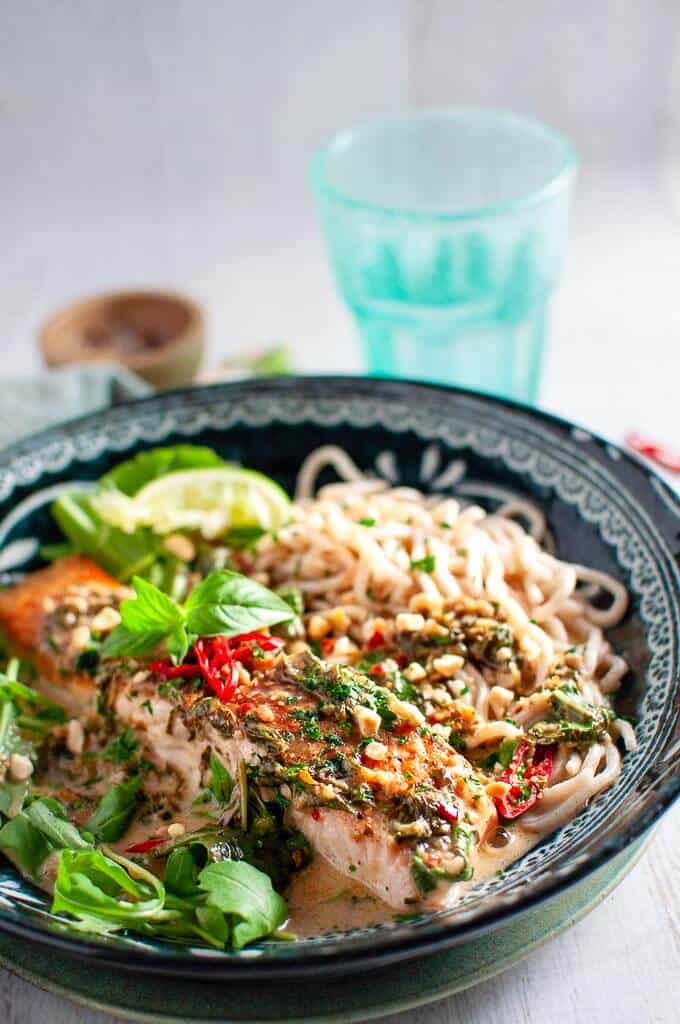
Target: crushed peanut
(414, 672)
(407, 622)
(105, 620)
(448, 664)
(20, 767)
(376, 751)
(180, 546)
(367, 720)
(75, 736)
(318, 627)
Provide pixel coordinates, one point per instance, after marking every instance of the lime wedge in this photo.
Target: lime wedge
(210, 501)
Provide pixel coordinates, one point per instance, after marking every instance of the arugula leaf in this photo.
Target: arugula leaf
(214, 924)
(228, 603)
(109, 887)
(133, 474)
(25, 842)
(239, 889)
(114, 810)
(181, 872)
(60, 833)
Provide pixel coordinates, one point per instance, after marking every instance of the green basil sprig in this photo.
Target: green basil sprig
(225, 603)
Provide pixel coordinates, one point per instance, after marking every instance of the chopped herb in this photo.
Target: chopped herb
(333, 739)
(309, 720)
(122, 748)
(367, 522)
(457, 741)
(425, 564)
(148, 705)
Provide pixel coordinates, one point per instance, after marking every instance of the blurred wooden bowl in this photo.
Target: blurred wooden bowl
(158, 335)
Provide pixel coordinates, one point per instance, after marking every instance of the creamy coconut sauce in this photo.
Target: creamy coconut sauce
(321, 900)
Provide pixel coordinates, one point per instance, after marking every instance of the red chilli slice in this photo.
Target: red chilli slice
(145, 846)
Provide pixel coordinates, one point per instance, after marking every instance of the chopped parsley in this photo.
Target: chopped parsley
(367, 522)
(309, 721)
(425, 564)
(122, 748)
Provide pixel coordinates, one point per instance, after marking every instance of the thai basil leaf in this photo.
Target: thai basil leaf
(146, 620)
(150, 611)
(228, 603)
(25, 842)
(123, 642)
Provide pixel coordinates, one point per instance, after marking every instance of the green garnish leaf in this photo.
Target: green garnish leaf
(240, 538)
(425, 564)
(25, 842)
(239, 889)
(151, 611)
(181, 872)
(122, 748)
(91, 884)
(122, 554)
(221, 783)
(114, 811)
(224, 603)
(61, 833)
(133, 474)
(229, 604)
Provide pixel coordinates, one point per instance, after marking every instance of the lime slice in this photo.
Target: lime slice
(210, 501)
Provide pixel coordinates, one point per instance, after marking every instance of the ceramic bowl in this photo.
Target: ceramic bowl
(158, 335)
(603, 508)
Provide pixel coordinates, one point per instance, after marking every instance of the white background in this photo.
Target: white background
(166, 143)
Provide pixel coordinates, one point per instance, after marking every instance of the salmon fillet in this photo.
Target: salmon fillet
(50, 617)
(385, 801)
(377, 792)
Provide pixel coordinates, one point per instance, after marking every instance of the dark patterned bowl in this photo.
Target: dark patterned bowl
(604, 509)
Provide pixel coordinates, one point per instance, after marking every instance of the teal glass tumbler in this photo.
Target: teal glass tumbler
(446, 233)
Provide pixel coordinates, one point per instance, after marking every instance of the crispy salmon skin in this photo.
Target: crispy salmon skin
(51, 618)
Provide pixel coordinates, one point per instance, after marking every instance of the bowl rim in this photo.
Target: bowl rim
(357, 952)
